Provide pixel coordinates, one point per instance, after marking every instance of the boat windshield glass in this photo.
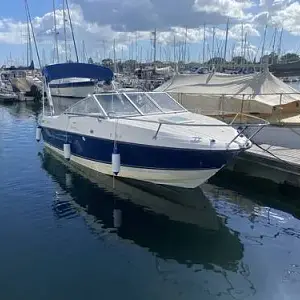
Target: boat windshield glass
(165, 102)
(143, 103)
(86, 106)
(117, 105)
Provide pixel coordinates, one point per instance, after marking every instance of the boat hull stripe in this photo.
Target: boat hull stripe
(138, 155)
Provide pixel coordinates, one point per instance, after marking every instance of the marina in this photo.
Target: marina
(67, 223)
(144, 155)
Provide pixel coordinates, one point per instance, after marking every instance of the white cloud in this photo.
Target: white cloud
(100, 22)
(131, 15)
(249, 50)
(288, 18)
(229, 8)
(11, 32)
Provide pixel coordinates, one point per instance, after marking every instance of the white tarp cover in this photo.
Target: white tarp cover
(261, 91)
(164, 71)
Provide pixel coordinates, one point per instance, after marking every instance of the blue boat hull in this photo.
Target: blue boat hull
(138, 155)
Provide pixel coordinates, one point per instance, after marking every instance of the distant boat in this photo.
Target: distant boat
(7, 95)
(72, 86)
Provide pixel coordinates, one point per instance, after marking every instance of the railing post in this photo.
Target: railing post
(222, 106)
(280, 102)
(242, 107)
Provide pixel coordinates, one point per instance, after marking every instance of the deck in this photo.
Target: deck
(278, 164)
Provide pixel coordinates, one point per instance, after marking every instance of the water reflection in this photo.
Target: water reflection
(238, 245)
(160, 221)
(22, 110)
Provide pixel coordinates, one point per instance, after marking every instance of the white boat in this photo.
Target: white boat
(72, 86)
(144, 136)
(7, 95)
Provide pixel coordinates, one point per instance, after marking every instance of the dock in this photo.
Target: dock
(277, 164)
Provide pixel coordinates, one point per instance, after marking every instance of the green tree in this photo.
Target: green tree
(216, 61)
(271, 58)
(107, 62)
(289, 57)
(239, 60)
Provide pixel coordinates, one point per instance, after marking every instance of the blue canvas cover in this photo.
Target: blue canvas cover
(80, 70)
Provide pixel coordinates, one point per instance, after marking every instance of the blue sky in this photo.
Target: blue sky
(16, 8)
(99, 22)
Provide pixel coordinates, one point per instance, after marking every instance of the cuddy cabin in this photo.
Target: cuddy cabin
(144, 136)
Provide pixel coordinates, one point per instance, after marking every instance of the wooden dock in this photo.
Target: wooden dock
(278, 164)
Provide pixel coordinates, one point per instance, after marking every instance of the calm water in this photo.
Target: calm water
(67, 235)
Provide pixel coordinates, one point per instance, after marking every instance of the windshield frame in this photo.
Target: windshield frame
(127, 96)
(69, 112)
(139, 113)
(150, 100)
(183, 109)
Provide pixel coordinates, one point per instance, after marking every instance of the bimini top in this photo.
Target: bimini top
(80, 70)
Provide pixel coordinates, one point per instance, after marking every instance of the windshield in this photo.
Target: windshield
(144, 103)
(126, 104)
(86, 106)
(117, 105)
(164, 101)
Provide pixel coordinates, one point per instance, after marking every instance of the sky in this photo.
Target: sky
(98, 24)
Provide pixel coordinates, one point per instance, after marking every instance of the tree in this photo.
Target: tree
(271, 58)
(239, 60)
(216, 61)
(130, 65)
(289, 57)
(107, 62)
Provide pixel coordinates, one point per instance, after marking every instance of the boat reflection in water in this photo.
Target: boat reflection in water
(172, 223)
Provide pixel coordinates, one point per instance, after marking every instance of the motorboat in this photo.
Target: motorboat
(6, 95)
(73, 86)
(144, 136)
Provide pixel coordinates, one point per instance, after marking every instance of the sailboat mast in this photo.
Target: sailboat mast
(65, 30)
(226, 40)
(174, 48)
(154, 46)
(213, 43)
(29, 45)
(263, 45)
(204, 37)
(72, 31)
(279, 43)
(33, 35)
(115, 66)
(185, 44)
(55, 32)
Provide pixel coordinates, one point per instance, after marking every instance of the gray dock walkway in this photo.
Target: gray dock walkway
(278, 164)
